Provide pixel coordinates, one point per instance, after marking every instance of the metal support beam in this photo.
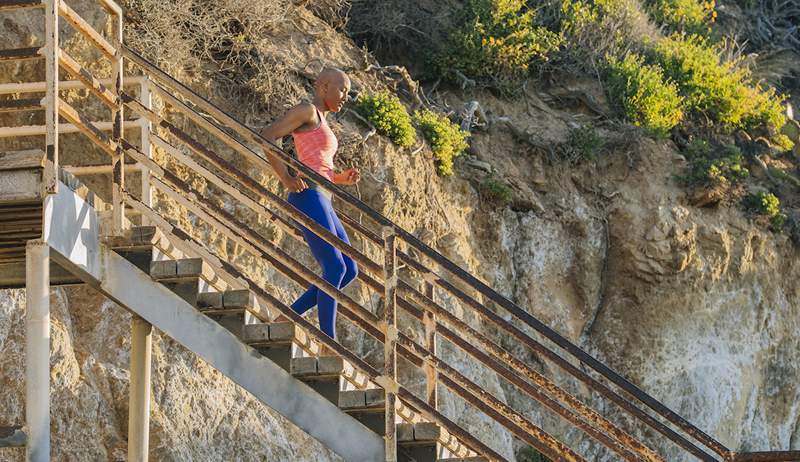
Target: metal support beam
(431, 376)
(37, 350)
(51, 92)
(146, 98)
(118, 159)
(390, 343)
(139, 407)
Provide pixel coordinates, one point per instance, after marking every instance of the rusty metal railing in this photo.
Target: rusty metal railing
(613, 437)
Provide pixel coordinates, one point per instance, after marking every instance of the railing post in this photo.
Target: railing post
(139, 399)
(37, 350)
(146, 98)
(118, 160)
(431, 376)
(51, 93)
(390, 343)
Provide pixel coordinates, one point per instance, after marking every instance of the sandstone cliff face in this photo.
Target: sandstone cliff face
(698, 306)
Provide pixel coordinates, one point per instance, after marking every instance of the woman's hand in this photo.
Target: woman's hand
(294, 184)
(348, 177)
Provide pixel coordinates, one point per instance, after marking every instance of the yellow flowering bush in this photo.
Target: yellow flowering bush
(390, 118)
(446, 138)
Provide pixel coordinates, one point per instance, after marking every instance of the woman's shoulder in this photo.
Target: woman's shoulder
(307, 113)
(305, 108)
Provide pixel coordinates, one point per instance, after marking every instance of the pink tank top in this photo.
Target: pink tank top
(317, 147)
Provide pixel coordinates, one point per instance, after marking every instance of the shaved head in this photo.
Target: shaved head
(332, 76)
(331, 88)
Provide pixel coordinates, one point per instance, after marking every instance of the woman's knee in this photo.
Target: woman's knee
(351, 271)
(334, 271)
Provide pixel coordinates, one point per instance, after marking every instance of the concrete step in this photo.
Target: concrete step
(227, 303)
(273, 340)
(181, 276)
(323, 374)
(228, 307)
(137, 246)
(366, 406)
(418, 442)
(362, 400)
(12, 437)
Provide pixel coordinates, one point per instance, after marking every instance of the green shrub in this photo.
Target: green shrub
(710, 166)
(496, 191)
(767, 205)
(720, 90)
(385, 111)
(643, 95)
(446, 138)
(496, 41)
(584, 142)
(690, 16)
(591, 30)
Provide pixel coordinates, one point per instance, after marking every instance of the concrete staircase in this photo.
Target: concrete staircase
(291, 349)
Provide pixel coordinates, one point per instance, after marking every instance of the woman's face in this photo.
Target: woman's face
(336, 93)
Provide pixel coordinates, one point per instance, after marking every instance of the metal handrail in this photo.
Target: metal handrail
(442, 261)
(215, 160)
(296, 214)
(170, 185)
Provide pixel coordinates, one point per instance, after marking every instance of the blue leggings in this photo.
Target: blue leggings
(337, 269)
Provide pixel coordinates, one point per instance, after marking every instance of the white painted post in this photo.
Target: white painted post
(37, 350)
(146, 98)
(51, 93)
(139, 402)
(118, 160)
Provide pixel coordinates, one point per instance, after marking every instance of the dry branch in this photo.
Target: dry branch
(411, 84)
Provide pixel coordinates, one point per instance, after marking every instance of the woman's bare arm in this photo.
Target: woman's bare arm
(293, 119)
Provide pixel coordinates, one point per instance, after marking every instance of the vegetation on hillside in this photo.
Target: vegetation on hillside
(495, 191)
(495, 41)
(766, 205)
(720, 91)
(662, 63)
(447, 139)
(714, 165)
(385, 111)
(689, 16)
(643, 95)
